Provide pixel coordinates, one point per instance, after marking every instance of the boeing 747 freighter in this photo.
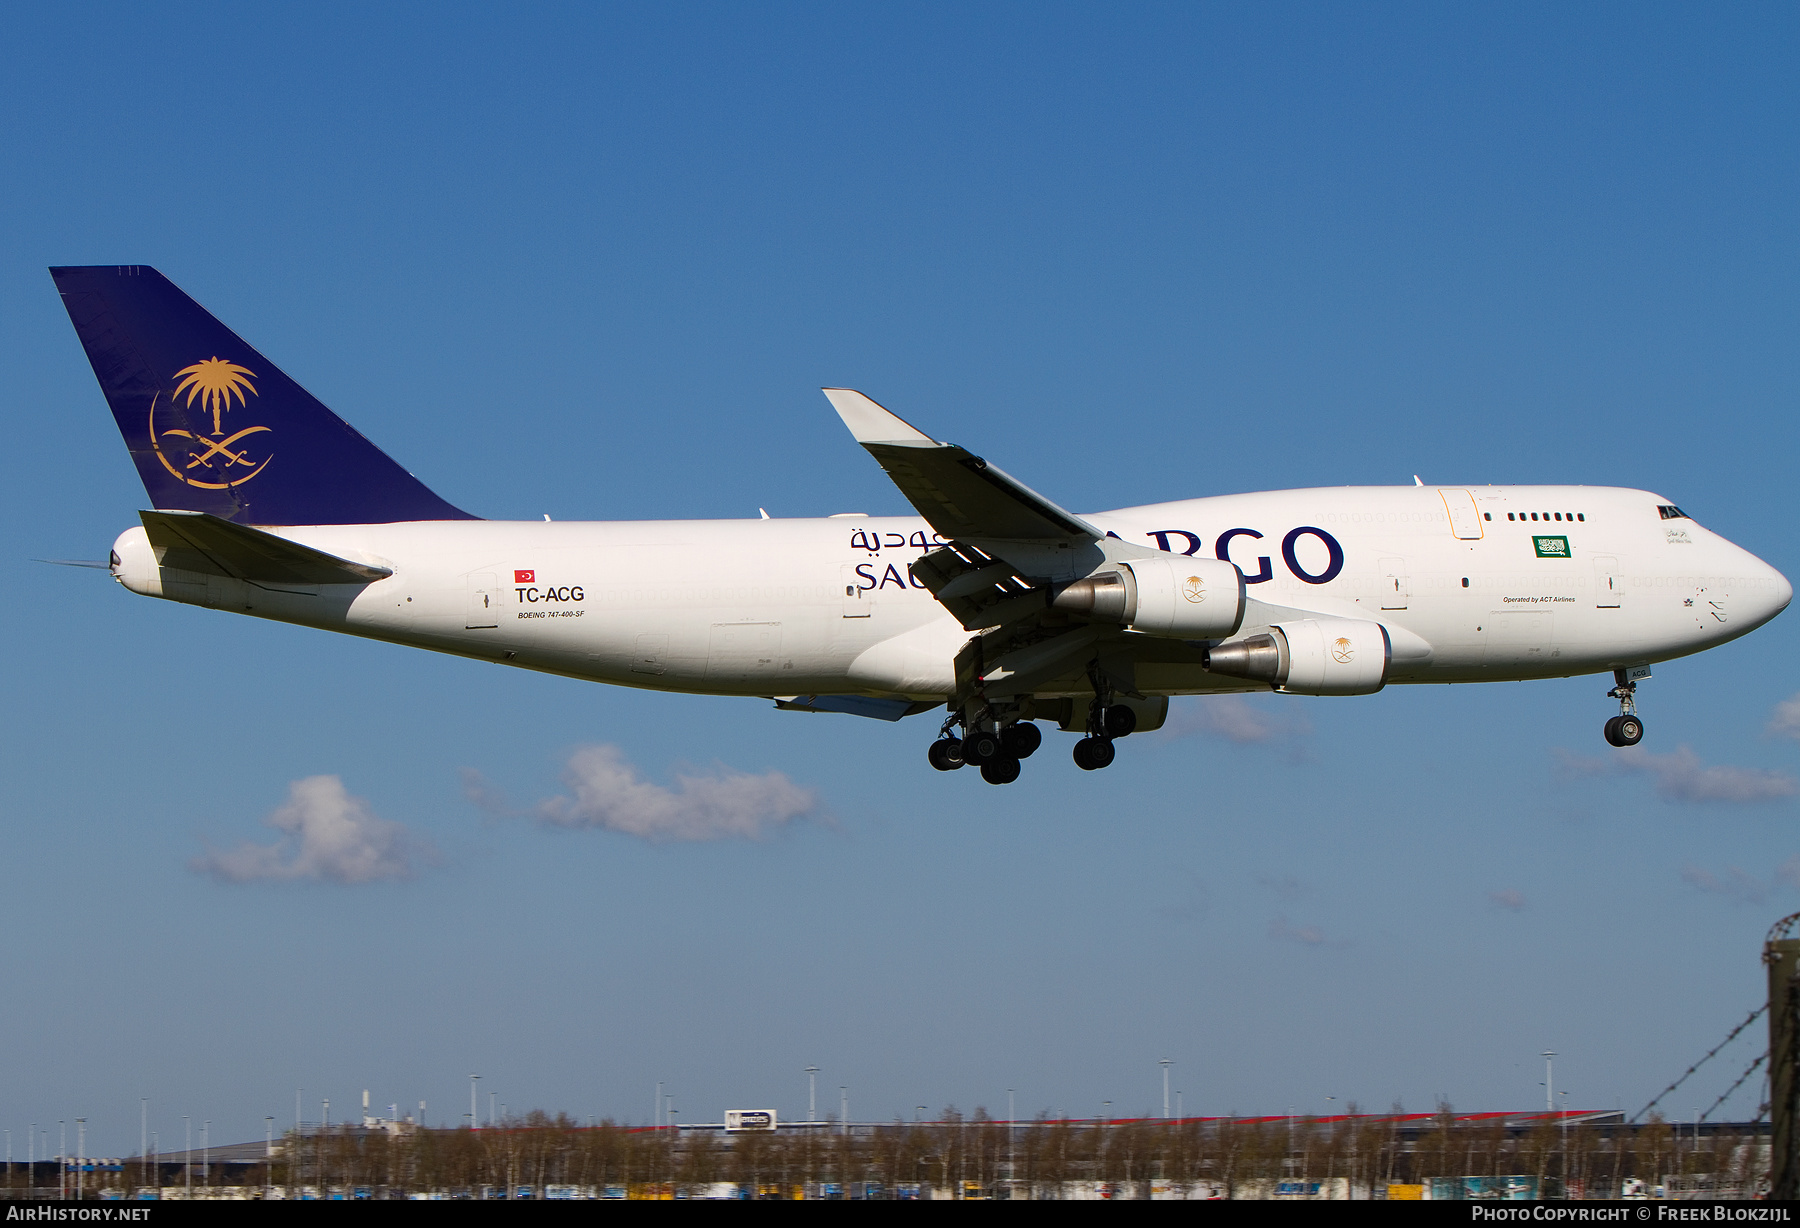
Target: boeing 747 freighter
(993, 606)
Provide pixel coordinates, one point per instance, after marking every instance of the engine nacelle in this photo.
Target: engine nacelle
(1181, 598)
(1311, 656)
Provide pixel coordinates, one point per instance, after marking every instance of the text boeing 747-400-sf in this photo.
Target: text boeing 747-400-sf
(993, 605)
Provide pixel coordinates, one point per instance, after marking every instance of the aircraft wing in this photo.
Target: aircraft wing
(1007, 543)
(959, 494)
(199, 541)
(1008, 549)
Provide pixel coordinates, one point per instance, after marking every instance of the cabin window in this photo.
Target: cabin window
(1582, 517)
(1465, 582)
(1487, 515)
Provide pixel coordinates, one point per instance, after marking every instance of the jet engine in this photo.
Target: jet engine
(1311, 656)
(1182, 598)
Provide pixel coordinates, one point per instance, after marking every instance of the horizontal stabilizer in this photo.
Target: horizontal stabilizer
(958, 493)
(196, 541)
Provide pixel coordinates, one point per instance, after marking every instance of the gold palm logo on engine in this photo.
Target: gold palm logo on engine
(1341, 651)
(214, 460)
(1194, 589)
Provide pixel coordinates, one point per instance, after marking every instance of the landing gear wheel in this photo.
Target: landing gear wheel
(1021, 739)
(1092, 754)
(945, 754)
(1118, 721)
(1612, 731)
(1629, 731)
(1000, 770)
(980, 745)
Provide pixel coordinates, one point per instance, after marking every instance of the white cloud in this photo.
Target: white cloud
(1510, 898)
(325, 834)
(1736, 884)
(606, 791)
(1680, 776)
(1235, 719)
(1784, 722)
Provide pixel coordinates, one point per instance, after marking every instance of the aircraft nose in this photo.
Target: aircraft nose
(1784, 592)
(1773, 592)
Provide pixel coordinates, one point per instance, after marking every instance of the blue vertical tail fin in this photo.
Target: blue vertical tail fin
(215, 427)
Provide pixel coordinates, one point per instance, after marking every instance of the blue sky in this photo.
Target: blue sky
(595, 262)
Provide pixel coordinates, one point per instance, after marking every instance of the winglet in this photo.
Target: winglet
(869, 422)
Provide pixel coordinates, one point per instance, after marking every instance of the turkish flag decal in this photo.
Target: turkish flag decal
(524, 577)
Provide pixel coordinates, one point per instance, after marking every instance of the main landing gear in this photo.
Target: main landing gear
(997, 748)
(995, 751)
(1106, 722)
(1624, 729)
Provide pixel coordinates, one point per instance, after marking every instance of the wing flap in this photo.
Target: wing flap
(198, 541)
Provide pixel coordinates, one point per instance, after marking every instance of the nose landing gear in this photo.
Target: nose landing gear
(1624, 729)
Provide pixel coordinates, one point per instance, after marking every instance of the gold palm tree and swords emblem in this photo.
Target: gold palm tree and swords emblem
(216, 384)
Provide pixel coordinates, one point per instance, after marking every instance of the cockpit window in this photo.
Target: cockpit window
(1671, 512)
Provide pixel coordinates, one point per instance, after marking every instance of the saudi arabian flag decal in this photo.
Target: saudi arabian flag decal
(1551, 547)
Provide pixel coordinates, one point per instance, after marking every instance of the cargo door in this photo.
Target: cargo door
(1520, 637)
(743, 652)
(650, 653)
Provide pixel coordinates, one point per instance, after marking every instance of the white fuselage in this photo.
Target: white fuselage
(827, 606)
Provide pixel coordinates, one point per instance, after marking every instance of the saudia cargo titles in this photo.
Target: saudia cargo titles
(993, 606)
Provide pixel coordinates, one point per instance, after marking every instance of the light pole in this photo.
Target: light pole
(80, 1153)
(843, 1109)
(812, 1099)
(474, 1121)
(1549, 1099)
(269, 1156)
(1165, 1063)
